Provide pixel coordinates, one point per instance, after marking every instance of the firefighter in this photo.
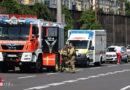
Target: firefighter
(64, 54)
(72, 55)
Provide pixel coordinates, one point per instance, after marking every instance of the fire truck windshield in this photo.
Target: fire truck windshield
(14, 32)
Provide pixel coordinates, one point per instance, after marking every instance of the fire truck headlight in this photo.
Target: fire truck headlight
(26, 57)
(1, 56)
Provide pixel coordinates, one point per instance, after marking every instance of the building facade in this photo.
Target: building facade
(79, 5)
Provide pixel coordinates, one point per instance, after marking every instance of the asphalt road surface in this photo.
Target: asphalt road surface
(105, 77)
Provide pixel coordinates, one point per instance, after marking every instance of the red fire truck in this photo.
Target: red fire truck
(30, 44)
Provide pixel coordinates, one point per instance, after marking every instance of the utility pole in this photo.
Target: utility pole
(59, 12)
(89, 5)
(121, 7)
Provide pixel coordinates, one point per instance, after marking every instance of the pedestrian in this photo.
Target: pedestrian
(72, 55)
(118, 53)
(64, 54)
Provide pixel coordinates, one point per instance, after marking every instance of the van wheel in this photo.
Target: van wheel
(87, 63)
(98, 63)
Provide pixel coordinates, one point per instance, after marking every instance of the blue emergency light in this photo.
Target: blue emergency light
(2, 20)
(30, 21)
(81, 32)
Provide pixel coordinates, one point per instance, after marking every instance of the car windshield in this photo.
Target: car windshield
(111, 50)
(14, 32)
(80, 44)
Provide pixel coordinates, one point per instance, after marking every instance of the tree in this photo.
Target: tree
(127, 9)
(88, 20)
(42, 11)
(12, 7)
(68, 20)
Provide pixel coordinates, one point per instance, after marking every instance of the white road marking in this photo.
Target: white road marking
(51, 73)
(112, 66)
(125, 88)
(78, 79)
(26, 77)
(95, 68)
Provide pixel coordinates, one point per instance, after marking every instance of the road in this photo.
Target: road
(105, 77)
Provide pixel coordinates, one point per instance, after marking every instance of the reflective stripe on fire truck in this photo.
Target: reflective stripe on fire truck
(49, 59)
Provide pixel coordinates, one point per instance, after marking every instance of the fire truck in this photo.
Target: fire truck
(30, 44)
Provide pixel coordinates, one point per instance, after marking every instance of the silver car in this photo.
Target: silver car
(111, 54)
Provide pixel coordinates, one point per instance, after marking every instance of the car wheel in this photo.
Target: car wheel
(126, 60)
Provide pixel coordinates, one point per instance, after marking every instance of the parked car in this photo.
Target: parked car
(111, 54)
(128, 51)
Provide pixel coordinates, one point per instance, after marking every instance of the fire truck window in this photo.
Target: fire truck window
(0, 31)
(51, 31)
(35, 30)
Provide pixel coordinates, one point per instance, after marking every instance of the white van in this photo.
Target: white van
(90, 46)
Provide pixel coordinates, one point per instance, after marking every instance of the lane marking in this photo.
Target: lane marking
(52, 73)
(125, 88)
(77, 79)
(26, 77)
(112, 66)
(95, 68)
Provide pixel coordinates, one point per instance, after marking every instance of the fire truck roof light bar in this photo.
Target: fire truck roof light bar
(19, 21)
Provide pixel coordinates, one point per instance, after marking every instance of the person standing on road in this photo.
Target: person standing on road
(72, 56)
(64, 54)
(118, 53)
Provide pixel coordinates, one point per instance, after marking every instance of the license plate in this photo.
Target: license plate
(109, 58)
(12, 55)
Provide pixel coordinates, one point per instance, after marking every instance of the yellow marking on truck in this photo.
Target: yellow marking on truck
(89, 53)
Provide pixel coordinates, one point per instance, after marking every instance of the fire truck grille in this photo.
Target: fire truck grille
(12, 47)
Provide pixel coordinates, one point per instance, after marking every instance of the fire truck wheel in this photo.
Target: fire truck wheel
(38, 65)
(4, 68)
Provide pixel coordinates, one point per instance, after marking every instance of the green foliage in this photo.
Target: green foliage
(88, 20)
(42, 11)
(127, 4)
(101, 11)
(12, 7)
(68, 20)
(111, 12)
